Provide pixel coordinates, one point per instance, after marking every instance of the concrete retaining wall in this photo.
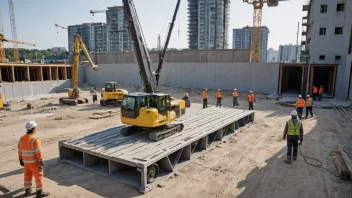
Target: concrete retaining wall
(20, 90)
(258, 77)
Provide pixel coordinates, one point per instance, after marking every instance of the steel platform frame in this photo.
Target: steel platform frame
(127, 158)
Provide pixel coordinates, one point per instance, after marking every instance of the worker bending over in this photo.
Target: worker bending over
(205, 98)
(294, 133)
(250, 99)
(309, 107)
(321, 90)
(218, 98)
(235, 98)
(315, 92)
(299, 106)
(31, 157)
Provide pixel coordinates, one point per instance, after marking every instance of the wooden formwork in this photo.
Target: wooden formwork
(127, 158)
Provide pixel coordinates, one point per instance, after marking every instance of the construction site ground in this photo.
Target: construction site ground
(250, 164)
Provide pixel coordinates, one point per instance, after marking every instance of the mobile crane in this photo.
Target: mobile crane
(149, 110)
(74, 93)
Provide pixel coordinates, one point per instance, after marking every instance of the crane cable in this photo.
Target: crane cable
(166, 19)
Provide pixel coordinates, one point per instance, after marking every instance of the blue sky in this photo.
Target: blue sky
(35, 20)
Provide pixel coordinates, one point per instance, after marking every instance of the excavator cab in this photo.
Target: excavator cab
(111, 95)
(110, 87)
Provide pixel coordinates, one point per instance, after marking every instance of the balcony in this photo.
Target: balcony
(305, 8)
(304, 22)
(304, 32)
(303, 42)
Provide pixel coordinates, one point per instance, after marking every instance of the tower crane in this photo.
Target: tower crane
(257, 23)
(96, 11)
(62, 27)
(13, 30)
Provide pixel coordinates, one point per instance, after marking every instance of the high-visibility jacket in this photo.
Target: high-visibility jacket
(234, 94)
(315, 89)
(321, 90)
(308, 102)
(293, 129)
(300, 103)
(218, 94)
(204, 95)
(29, 149)
(250, 97)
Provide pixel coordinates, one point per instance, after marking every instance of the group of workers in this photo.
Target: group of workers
(300, 103)
(218, 95)
(317, 92)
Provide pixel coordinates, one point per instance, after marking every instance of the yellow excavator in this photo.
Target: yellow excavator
(111, 95)
(74, 93)
(149, 110)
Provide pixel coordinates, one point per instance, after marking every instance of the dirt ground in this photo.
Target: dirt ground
(250, 164)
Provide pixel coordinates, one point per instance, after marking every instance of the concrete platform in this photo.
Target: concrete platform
(127, 158)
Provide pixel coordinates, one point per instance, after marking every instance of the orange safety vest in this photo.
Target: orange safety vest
(218, 94)
(204, 95)
(308, 103)
(315, 89)
(234, 94)
(321, 90)
(29, 149)
(300, 103)
(250, 97)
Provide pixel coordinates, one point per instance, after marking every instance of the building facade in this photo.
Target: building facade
(208, 22)
(242, 39)
(272, 55)
(118, 35)
(58, 50)
(327, 42)
(289, 53)
(94, 36)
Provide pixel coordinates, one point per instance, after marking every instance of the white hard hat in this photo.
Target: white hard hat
(294, 113)
(218, 89)
(308, 95)
(250, 92)
(300, 96)
(30, 125)
(235, 89)
(206, 89)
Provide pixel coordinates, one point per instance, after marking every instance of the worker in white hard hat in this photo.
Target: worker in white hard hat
(294, 134)
(218, 98)
(235, 98)
(31, 157)
(309, 106)
(251, 99)
(299, 106)
(205, 98)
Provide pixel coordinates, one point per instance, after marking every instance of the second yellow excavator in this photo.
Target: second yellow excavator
(74, 93)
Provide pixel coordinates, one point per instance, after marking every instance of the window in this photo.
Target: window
(323, 8)
(337, 57)
(322, 57)
(322, 31)
(338, 30)
(340, 7)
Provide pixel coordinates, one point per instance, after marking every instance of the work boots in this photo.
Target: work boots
(41, 193)
(288, 160)
(28, 192)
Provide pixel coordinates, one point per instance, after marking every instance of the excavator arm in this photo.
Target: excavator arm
(78, 45)
(140, 48)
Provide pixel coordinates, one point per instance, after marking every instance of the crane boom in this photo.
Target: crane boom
(96, 11)
(140, 48)
(56, 25)
(161, 61)
(13, 30)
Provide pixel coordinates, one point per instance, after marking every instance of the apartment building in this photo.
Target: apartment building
(289, 53)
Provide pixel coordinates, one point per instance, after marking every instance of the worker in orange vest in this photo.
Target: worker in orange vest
(31, 157)
(299, 106)
(315, 92)
(235, 98)
(309, 107)
(321, 90)
(205, 98)
(250, 99)
(218, 98)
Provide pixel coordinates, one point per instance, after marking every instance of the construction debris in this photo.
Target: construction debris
(30, 106)
(103, 114)
(340, 164)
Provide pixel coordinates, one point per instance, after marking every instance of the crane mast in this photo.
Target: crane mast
(13, 30)
(140, 48)
(161, 61)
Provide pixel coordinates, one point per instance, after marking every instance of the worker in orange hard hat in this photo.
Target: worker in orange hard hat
(309, 104)
(31, 157)
(299, 106)
(251, 99)
(205, 98)
(218, 98)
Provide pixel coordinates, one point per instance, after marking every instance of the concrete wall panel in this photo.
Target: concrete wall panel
(224, 78)
(7, 92)
(17, 91)
(26, 90)
(37, 88)
(242, 76)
